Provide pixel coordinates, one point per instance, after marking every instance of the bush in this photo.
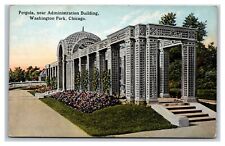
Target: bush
(209, 94)
(175, 93)
(43, 89)
(86, 102)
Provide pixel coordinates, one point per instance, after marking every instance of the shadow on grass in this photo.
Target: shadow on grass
(119, 119)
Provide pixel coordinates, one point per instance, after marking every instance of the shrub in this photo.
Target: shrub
(86, 102)
(209, 94)
(175, 93)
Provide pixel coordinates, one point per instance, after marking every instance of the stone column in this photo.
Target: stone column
(164, 73)
(109, 62)
(102, 67)
(80, 69)
(50, 73)
(88, 70)
(152, 70)
(47, 74)
(97, 61)
(72, 74)
(115, 70)
(98, 67)
(139, 56)
(188, 71)
(129, 46)
(64, 75)
(56, 73)
(53, 72)
(59, 75)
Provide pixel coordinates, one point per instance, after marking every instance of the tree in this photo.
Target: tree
(168, 19)
(19, 75)
(175, 74)
(32, 73)
(206, 67)
(192, 22)
(11, 75)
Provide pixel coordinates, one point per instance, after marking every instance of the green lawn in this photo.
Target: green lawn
(117, 119)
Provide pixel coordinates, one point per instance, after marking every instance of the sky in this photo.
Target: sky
(34, 42)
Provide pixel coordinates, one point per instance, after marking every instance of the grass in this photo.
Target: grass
(119, 119)
(32, 92)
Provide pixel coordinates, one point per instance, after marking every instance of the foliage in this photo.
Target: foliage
(209, 94)
(53, 83)
(206, 68)
(18, 75)
(77, 82)
(117, 119)
(175, 74)
(30, 74)
(105, 78)
(84, 80)
(168, 19)
(175, 92)
(48, 81)
(95, 80)
(192, 22)
(86, 102)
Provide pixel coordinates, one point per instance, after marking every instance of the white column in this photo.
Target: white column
(64, 74)
(129, 46)
(164, 72)
(188, 71)
(88, 70)
(97, 61)
(72, 74)
(152, 70)
(140, 48)
(80, 69)
(109, 61)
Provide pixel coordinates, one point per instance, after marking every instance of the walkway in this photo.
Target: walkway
(29, 117)
(202, 130)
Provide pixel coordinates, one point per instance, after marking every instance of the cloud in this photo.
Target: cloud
(126, 18)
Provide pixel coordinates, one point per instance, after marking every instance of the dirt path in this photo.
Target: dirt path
(29, 117)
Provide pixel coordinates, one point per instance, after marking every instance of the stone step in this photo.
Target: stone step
(174, 104)
(200, 119)
(180, 107)
(190, 115)
(179, 111)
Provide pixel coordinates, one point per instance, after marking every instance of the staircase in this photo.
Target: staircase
(193, 114)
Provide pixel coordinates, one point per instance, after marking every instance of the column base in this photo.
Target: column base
(188, 99)
(164, 95)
